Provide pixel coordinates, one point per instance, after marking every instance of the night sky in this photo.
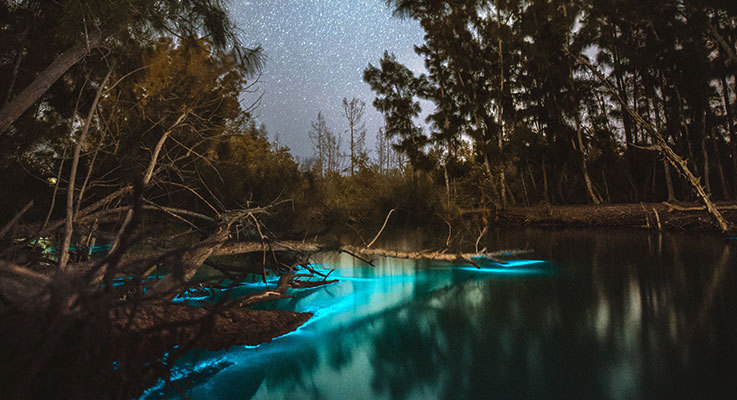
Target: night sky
(316, 52)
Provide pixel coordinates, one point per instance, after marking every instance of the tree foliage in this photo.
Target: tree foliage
(500, 77)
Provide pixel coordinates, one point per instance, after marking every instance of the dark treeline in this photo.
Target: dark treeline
(513, 105)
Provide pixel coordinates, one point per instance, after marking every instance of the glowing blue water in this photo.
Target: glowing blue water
(609, 315)
(362, 300)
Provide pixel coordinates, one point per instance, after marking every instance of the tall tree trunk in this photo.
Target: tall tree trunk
(546, 195)
(447, 181)
(584, 166)
(720, 166)
(524, 187)
(705, 151)
(353, 150)
(626, 121)
(26, 98)
(732, 134)
(606, 187)
(666, 167)
(717, 157)
(532, 178)
(500, 107)
(579, 136)
(685, 132)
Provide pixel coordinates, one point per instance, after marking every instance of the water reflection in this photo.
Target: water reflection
(612, 314)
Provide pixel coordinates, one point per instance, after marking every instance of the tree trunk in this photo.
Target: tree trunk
(732, 134)
(606, 187)
(26, 98)
(626, 120)
(717, 154)
(705, 151)
(500, 108)
(587, 179)
(666, 167)
(447, 181)
(720, 166)
(685, 133)
(546, 195)
(186, 264)
(532, 179)
(524, 188)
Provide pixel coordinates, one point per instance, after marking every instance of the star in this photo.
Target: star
(316, 51)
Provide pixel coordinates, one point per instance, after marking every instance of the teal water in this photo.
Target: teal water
(607, 315)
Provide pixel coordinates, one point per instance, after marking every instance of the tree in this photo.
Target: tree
(80, 28)
(397, 89)
(326, 145)
(318, 136)
(353, 113)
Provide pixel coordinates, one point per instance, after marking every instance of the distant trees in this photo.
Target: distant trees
(326, 144)
(541, 125)
(387, 158)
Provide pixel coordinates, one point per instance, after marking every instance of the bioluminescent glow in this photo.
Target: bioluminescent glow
(519, 263)
(91, 249)
(512, 267)
(361, 299)
(343, 304)
(350, 278)
(207, 367)
(123, 280)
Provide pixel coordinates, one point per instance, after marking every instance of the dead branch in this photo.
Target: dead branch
(21, 272)
(352, 252)
(657, 219)
(672, 207)
(68, 228)
(178, 211)
(478, 239)
(56, 190)
(382, 227)
(438, 256)
(286, 282)
(5, 229)
(144, 183)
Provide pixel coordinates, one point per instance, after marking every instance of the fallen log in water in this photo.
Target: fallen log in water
(472, 258)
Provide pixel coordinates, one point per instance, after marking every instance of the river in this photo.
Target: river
(598, 314)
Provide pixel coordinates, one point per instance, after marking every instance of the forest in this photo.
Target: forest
(129, 151)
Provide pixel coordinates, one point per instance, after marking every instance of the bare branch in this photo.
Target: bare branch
(5, 229)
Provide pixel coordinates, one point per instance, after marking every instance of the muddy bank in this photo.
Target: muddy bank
(171, 324)
(665, 216)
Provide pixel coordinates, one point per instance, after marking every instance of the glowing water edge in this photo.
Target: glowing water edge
(592, 314)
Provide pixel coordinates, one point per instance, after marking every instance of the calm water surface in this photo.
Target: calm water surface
(607, 315)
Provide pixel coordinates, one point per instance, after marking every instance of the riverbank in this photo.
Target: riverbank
(685, 217)
(205, 328)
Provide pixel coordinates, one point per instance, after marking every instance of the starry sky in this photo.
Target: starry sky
(316, 51)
